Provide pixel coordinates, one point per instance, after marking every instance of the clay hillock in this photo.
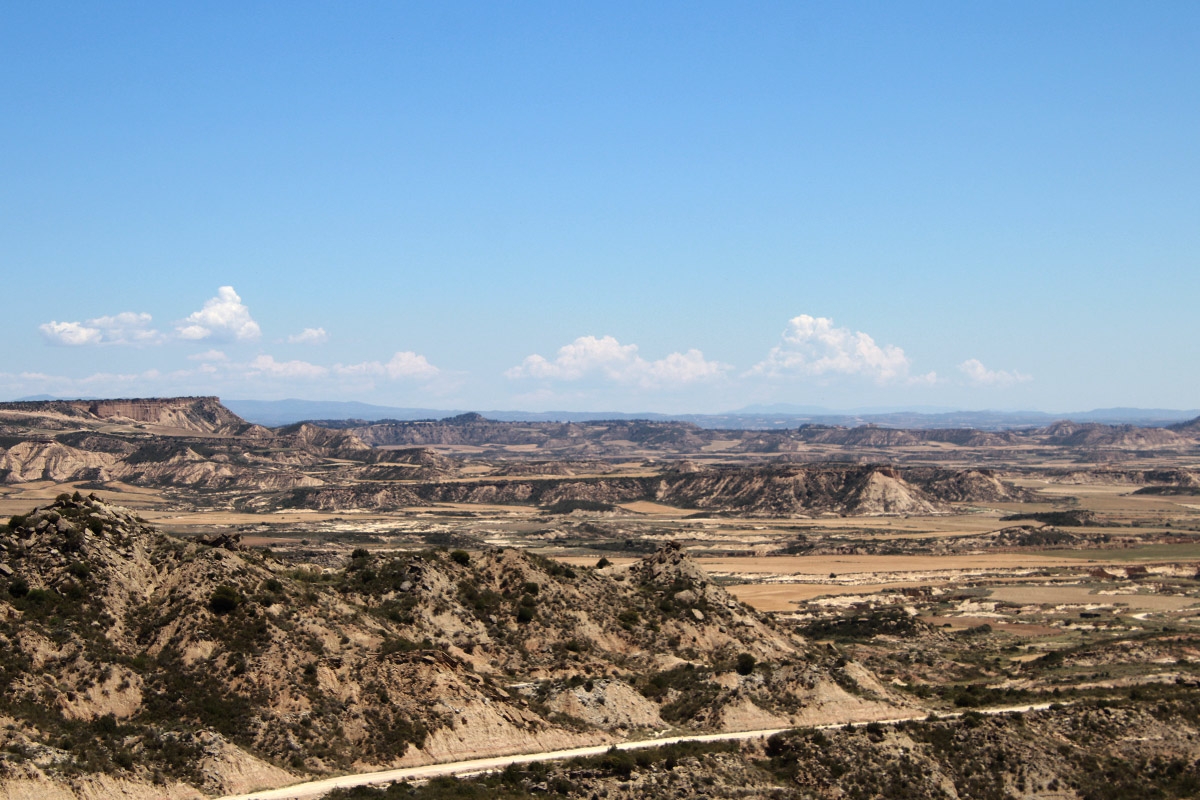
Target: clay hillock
(410, 464)
(862, 436)
(42, 460)
(130, 655)
(341, 497)
(883, 491)
(465, 429)
(787, 491)
(1134, 477)
(677, 436)
(320, 441)
(965, 486)
(97, 442)
(970, 437)
(203, 465)
(1094, 434)
(1191, 428)
(1188, 489)
(417, 457)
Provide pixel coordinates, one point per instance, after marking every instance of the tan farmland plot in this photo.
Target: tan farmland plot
(1084, 596)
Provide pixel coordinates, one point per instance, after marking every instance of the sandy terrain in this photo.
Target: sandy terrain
(1082, 595)
(784, 596)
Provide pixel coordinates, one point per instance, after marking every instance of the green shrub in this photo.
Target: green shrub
(18, 587)
(745, 664)
(224, 599)
(461, 557)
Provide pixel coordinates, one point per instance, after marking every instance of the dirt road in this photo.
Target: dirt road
(311, 789)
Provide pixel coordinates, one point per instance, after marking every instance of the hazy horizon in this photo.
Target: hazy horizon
(258, 410)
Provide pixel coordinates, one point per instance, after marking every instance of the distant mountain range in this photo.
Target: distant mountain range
(285, 412)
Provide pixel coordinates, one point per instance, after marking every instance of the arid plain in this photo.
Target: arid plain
(935, 571)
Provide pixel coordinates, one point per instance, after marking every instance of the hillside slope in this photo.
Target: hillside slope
(135, 657)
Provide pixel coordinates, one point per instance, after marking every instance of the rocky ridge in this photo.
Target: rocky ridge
(133, 656)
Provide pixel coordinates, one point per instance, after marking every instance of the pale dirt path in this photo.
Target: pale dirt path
(311, 789)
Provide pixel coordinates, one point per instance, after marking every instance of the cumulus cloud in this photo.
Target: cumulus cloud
(222, 317)
(128, 327)
(606, 357)
(309, 336)
(814, 346)
(979, 375)
(404, 364)
(72, 334)
(267, 365)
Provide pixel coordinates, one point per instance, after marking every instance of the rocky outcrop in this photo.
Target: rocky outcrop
(787, 491)
(1072, 434)
(51, 461)
(966, 486)
(311, 438)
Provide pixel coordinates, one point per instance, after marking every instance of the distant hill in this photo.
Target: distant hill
(274, 413)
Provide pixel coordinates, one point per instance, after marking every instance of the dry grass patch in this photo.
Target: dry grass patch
(1084, 596)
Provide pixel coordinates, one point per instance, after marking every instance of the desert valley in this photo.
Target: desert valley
(196, 606)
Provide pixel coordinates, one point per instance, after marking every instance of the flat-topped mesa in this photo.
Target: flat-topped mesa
(196, 414)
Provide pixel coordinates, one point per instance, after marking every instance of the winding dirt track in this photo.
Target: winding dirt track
(311, 789)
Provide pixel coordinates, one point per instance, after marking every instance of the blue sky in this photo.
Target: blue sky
(678, 207)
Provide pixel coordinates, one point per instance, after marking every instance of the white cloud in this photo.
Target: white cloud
(608, 358)
(128, 327)
(72, 334)
(812, 346)
(404, 364)
(222, 317)
(267, 365)
(208, 355)
(979, 375)
(309, 336)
